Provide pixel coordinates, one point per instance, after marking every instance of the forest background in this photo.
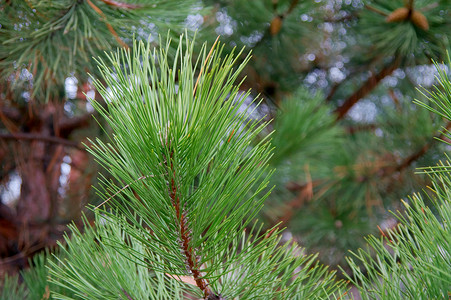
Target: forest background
(337, 80)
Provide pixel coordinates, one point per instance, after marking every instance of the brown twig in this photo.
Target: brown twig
(293, 5)
(333, 90)
(108, 25)
(359, 128)
(366, 88)
(378, 11)
(121, 4)
(126, 294)
(185, 237)
(48, 139)
(420, 152)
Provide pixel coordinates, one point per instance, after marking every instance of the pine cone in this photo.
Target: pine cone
(399, 14)
(276, 25)
(419, 20)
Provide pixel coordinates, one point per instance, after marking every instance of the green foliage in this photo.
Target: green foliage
(412, 261)
(185, 200)
(91, 267)
(304, 127)
(439, 96)
(11, 288)
(278, 32)
(404, 38)
(33, 283)
(191, 167)
(59, 38)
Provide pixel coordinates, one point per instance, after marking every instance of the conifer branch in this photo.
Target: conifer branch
(121, 4)
(420, 152)
(104, 19)
(366, 88)
(185, 236)
(38, 137)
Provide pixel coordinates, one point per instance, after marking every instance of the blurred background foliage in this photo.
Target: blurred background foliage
(337, 79)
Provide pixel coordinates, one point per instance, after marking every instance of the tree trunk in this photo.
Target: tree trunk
(39, 167)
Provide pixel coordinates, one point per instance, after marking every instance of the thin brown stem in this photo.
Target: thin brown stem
(366, 88)
(48, 139)
(108, 25)
(126, 294)
(332, 91)
(121, 4)
(363, 127)
(378, 11)
(185, 237)
(420, 152)
(293, 5)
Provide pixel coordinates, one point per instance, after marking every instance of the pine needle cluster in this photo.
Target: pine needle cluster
(189, 179)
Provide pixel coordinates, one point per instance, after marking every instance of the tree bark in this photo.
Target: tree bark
(39, 166)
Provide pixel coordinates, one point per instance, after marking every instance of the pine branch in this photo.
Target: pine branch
(192, 258)
(420, 152)
(67, 125)
(110, 28)
(38, 137)
(209, 176)
(366, 88)
(121, 4)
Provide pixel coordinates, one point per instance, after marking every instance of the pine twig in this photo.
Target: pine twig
(126, 294)
(293, 5)
(48, 139)
(108, 25)
(185, 236)
(378, 11)
(121, 4)
(333, 90)
(366, 88)
(420, 152)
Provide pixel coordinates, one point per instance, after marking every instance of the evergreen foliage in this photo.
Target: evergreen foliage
(413, 31)
(59, 38)
(412, 261)
(184, 201)
(186, 139)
